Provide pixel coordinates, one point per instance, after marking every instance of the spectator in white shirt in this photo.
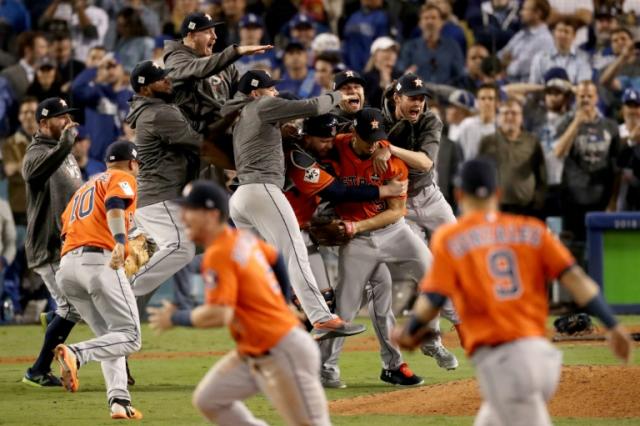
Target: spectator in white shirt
(473, 129)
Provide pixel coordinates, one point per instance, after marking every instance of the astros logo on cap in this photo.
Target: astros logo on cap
(375, 124)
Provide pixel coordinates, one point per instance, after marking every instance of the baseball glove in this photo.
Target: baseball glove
(140, 250)
(574, 324)
(334, 232)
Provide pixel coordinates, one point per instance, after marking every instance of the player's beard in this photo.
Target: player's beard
(167, 97)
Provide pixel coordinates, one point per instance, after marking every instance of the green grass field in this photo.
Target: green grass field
(164, 384)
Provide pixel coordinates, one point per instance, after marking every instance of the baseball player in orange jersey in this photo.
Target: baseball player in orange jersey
(381, 236)
(495, 268)
(246, 288)
(95, 225)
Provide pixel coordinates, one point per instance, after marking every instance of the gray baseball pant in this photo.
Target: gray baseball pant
(288, 375)
(316, 262)
(264, 209)
(360, 263)
(104, 299)
(161, 222)
(64, 309)
(517, 379)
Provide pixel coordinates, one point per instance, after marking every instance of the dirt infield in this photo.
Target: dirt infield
(584, 391)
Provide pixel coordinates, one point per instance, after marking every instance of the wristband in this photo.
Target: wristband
(182, 318)
(599, 309)
(120, 238)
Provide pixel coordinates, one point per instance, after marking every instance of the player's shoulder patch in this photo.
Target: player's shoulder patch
(301, 159)
(312, 174)
(126, 188)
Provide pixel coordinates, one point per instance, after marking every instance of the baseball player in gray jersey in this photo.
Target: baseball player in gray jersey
(351, 85)
(414, 134)
(381, 236)
(167, 144)
(259, 203)
(95, 225)
(52, 175)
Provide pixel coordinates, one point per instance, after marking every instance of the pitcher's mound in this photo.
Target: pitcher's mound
(584, 391)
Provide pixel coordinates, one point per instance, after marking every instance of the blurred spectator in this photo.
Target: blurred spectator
(556, 106)
(589, 145)
(251, 34)
(15, 14)
(104, 96)
(449, 159)
(302, 30)
(31, 47)
(493, 71)
(326, 42)
(624, 71)
(580, 11)
(181, 9)
(325, 66)
(47, 83)
(534, 37)
(361, 29)
(88, 24)
(62, 53)
(298, 78)
(460, 106)
(599, 44)
(564, 54)
(95, 56)
(474, 128)
(351, 85)
(133, 43)
(520, 162)
(150, 18)
(13, 150)
(8, 237)
(89, 167)
(381, 69)
(472, 76)
(629, 158)
(495, 23)
(434, 58)
(229, 33)
(451, 27)
(158, 49)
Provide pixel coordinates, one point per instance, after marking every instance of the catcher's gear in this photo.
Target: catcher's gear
(334, 232)
(140, 250)
(573, 324)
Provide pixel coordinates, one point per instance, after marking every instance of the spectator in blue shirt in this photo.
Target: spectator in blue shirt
(302, 29)
(251, 34)
(298, 78)
(451, 27)
(104, 97)
(434, 58)
(133, 44)
(361, 29)
(15, 14)
(495, 23)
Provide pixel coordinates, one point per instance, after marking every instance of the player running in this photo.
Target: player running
(246, 287)
(95, 225)
(495, 268)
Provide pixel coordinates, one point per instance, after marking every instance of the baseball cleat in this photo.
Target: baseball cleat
(402, 376)
(332, 383)
(335, 327)
(122, 410)
(68, 367)
(40, 380)
(443, 357)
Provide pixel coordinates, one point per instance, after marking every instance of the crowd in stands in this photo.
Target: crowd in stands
(550, 89)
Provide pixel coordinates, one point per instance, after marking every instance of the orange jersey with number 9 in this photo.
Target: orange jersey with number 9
(495, 268)
(84, 221)
(237, 273)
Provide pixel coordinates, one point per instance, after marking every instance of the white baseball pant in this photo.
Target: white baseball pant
(64, 309)
(104, 299)
(264, 209)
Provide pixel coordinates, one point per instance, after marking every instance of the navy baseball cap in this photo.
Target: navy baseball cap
(255, 79)
(294, 46)
(557, 78)
(347, 76)
(205, 194)
(462, 99)
(368, 124)
(147, 72)
(197, 21)
(301, 20)
(411, 85)
(251, 20)
(631, 96)
(121, 151)
(322, 126)
(478, 177)
(53, 107)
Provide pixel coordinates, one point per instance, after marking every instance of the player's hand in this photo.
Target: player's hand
(253, 50)
(380, 158)
(117, 257)
(620, 343)
(160, 318)
(400, 337)
(69, 133)
(395, 188)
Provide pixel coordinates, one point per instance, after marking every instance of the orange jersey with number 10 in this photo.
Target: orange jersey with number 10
(84, 221)
(495, 268)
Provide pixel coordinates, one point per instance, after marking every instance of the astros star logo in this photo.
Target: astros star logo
(375, 124)
(418, 82)
(63, 103)
(349, 73)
